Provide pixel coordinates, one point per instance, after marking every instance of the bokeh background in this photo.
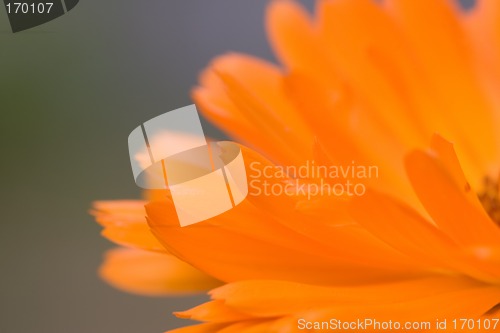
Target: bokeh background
(70, 93)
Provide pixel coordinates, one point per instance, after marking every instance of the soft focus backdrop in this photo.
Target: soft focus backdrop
(70, 93)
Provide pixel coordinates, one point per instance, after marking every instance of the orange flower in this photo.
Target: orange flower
(363, 82)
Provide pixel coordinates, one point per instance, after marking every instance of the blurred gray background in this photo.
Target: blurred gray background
(70, 93)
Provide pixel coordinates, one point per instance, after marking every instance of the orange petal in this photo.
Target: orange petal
(441, 46)
(444, 152)
(483, 27)
(325, 221)
(278, 298)
(138, 237)
(118, 212)
(214, 311)
(328, 114)
(244, 95)
(152, 274)
(449, 202)
(370, 55)
(400, 226)
(125, 224)
(405, 230)
(296, 40)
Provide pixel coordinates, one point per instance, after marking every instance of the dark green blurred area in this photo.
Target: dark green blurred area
(70, 93)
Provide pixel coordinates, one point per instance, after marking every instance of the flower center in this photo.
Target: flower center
(490, 198)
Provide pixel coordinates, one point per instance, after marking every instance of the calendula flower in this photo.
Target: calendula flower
(362, 82)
